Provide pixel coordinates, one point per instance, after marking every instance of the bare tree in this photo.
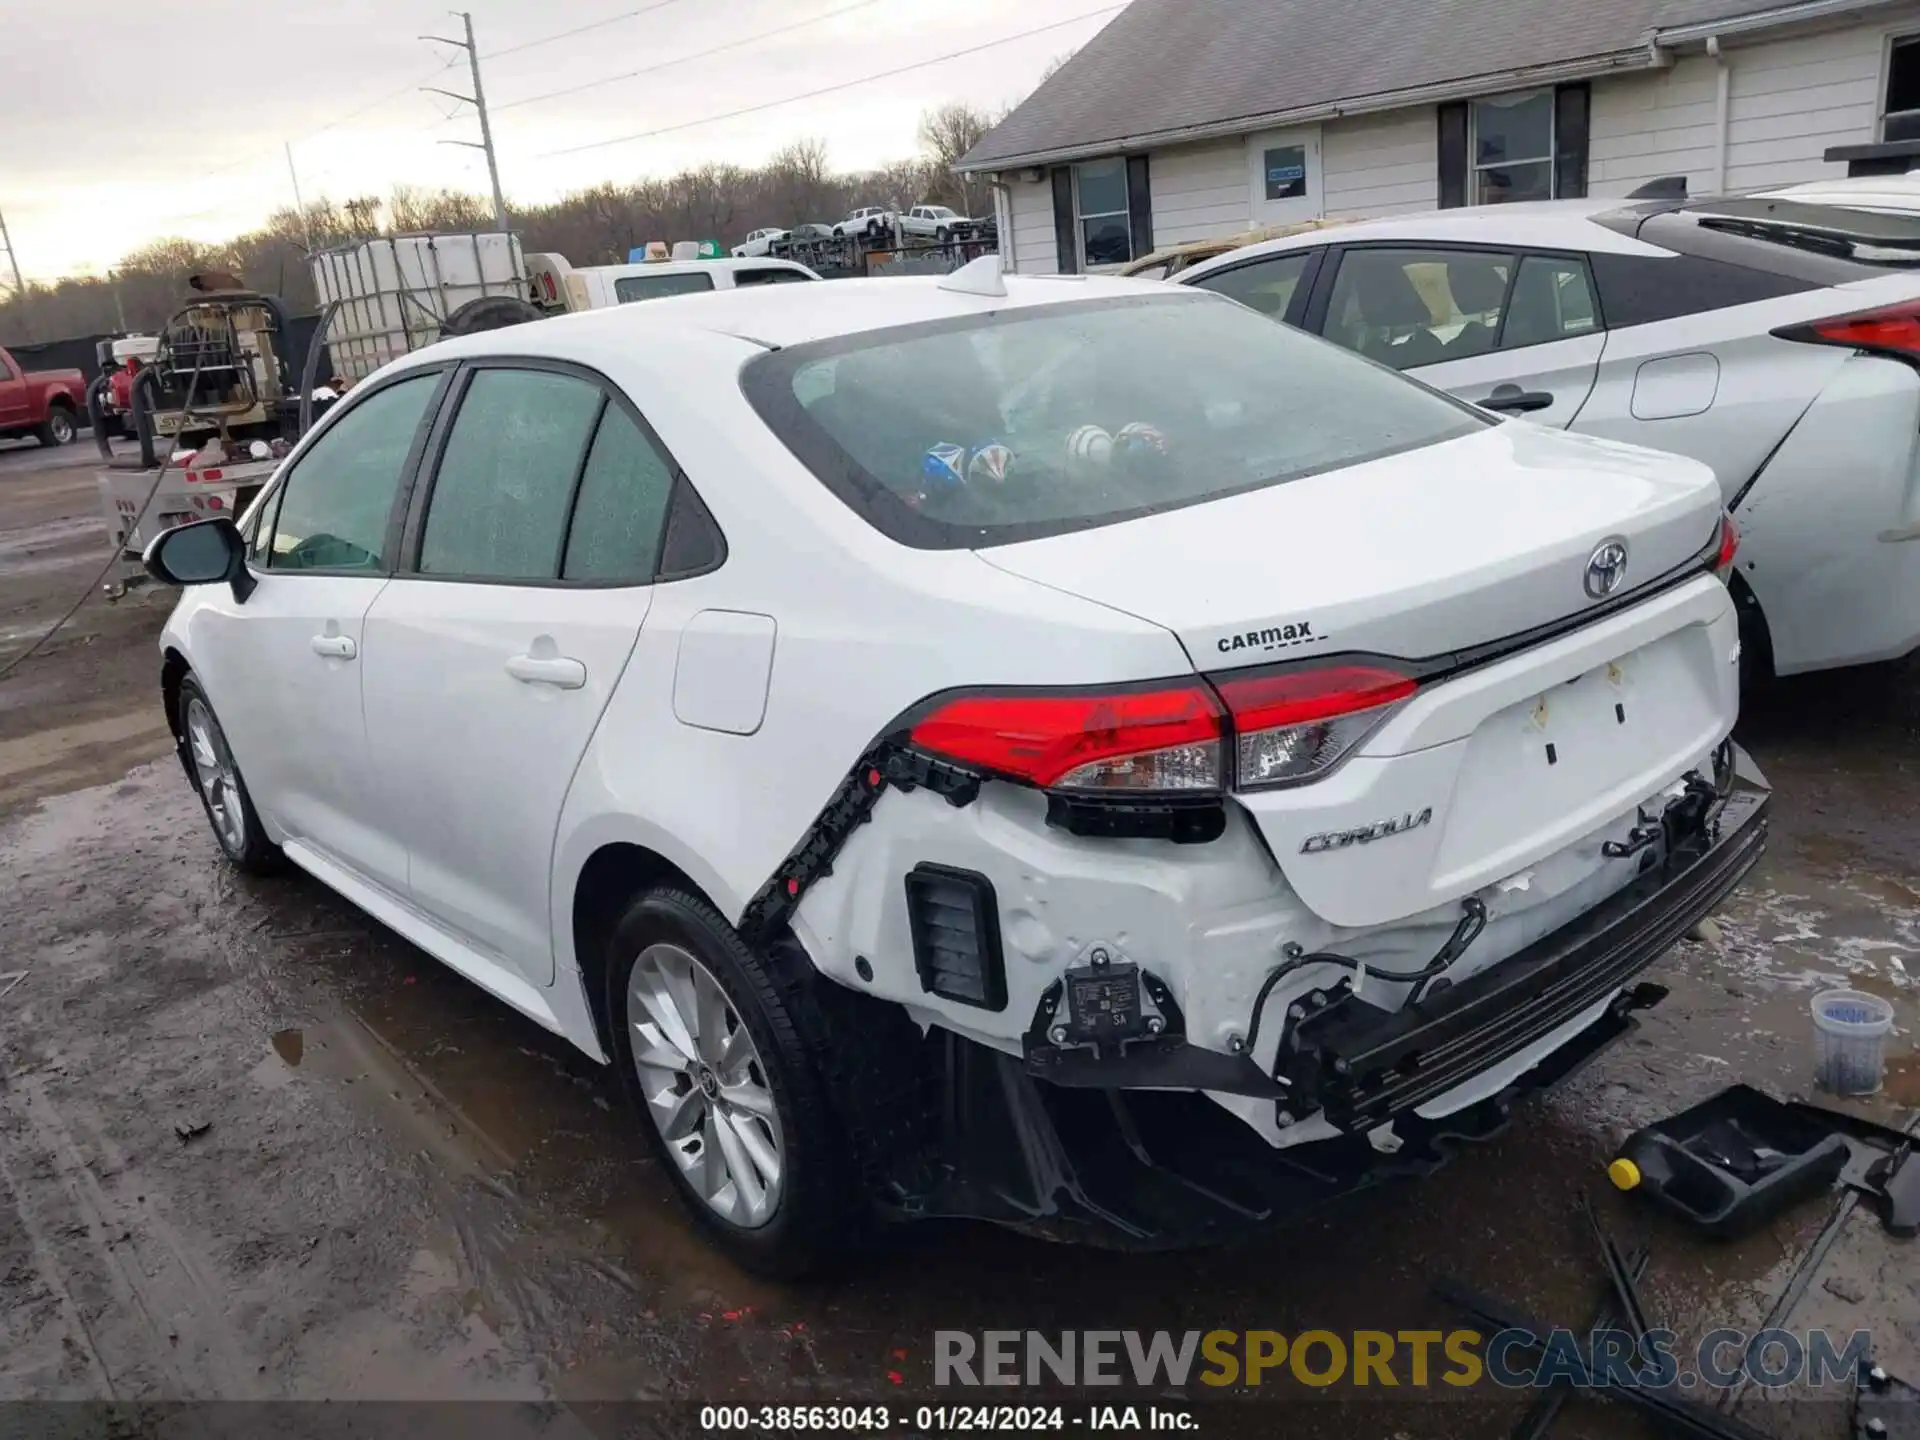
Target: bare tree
(947, 133)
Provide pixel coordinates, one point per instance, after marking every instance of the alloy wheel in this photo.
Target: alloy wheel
(705, 1085)
(219, 781)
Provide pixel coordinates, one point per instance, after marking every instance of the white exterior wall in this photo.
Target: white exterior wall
(1652, 123)
(1199, 191)
(1034, 248)
(1384, 164)
(1792, 99)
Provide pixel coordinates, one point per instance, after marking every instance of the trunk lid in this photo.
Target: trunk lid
(1417, 557)
(1414, 556)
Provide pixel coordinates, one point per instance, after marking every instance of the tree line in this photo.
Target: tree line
(596, 226)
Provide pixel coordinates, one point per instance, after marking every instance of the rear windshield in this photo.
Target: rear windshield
(984, 431)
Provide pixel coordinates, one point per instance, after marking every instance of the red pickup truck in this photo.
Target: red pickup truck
(46, 404)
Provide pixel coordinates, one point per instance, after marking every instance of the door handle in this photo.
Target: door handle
(558, 671)
(334, 647)
(1512, 400)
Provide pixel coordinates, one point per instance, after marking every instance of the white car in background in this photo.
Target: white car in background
(758, 243)
(1779, 342)
(984, 747)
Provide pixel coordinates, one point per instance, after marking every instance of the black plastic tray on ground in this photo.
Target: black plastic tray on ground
(1734, 1160)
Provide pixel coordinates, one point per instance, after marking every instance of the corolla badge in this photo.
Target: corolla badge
(1606, 567)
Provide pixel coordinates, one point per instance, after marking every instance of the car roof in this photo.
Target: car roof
(776, 316)
(1534, 224)
(1896, 191)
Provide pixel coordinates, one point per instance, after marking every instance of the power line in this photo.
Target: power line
(830, 89)
(684, 59)
(579, 30)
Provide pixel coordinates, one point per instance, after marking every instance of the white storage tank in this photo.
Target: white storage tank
(396, 292)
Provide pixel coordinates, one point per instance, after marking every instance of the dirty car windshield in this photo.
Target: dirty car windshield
(1036, 421)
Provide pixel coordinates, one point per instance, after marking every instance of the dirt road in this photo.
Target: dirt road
(253, 1146)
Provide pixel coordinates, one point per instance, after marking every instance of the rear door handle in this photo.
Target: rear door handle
(558, 671)
(334, 647)
(1514, 401)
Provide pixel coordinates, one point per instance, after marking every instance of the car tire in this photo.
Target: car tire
(943, 236)
(673, 942)
(58, 428)
(222, 790)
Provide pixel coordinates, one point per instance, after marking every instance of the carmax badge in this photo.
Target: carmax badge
(1366, 834)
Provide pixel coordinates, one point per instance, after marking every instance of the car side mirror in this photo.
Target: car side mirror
(202, 553)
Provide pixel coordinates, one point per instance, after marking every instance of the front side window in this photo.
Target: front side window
(1406, 308)
(1264, 285)
(334, 507)
(629, 288)
(1100, 198)
(1039, 420)
(500, 496)
(1512, 147)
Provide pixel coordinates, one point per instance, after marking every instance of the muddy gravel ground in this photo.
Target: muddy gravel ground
(253, 1147)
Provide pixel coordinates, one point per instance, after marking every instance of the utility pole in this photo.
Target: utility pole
(479, 102)
(119, 314)
(19, 285)
(306, 225)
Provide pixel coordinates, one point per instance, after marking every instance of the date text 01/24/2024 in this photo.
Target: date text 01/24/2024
(947, 1419)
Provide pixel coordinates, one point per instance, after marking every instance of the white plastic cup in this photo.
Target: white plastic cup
(1850, 1037)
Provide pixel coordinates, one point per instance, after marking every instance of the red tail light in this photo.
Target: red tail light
(1164, 738)
(1893, 330)
(1287, 726)
(1295, 725)
(1729, 546)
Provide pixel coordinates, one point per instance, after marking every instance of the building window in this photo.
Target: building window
(1101, 212)
(1284, 168)
(1900, 118)
(1511, 142)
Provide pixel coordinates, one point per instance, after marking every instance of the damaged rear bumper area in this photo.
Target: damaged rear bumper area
(1112, 1143)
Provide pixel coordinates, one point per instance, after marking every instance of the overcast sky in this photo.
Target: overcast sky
(166, 117)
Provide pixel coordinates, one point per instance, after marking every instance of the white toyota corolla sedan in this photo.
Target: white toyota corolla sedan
(1066, 752)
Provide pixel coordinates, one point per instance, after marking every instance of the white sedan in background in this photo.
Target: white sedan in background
(1777, 341)
(940, 739)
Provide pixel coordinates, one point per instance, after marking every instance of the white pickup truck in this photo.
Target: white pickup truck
(938, 222)
(869, 220)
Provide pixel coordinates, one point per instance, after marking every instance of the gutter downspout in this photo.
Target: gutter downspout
(1722, 98)
(1003, 219)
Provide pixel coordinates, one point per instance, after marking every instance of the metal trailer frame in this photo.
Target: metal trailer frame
(183, 497)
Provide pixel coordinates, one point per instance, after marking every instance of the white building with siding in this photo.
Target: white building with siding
(1189, 119)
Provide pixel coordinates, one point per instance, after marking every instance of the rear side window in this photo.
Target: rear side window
(1034, 421)
(335, 505)
(624, 490)
(771, 275)
(500, 497)
(1264, 285)
(629, 288)
(1552, 300)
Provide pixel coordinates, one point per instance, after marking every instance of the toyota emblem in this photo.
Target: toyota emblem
(1606, 567)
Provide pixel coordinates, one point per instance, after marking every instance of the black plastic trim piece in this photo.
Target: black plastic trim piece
(1365, 1068)
(986, 921)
